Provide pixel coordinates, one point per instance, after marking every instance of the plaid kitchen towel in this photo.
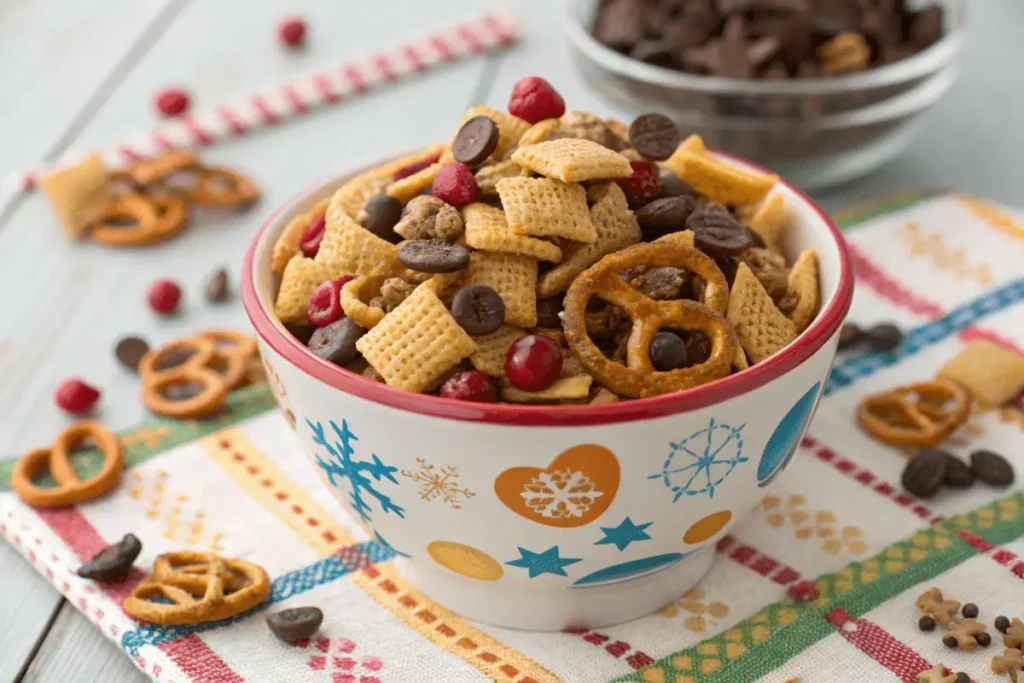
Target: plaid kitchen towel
(945, 268)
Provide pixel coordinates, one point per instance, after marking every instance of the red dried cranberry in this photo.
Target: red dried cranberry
(415, 167)
(533, 363)
(172, 102)
(324, 305)
(643, 186)
(471, 385)
(803, 591)
(534, 99)
(314, 234)
(455, 184)
(163, 296)
(291, 31)
(75, 396)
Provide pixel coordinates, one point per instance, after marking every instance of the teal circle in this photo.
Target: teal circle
(630, 570)
(782, 444)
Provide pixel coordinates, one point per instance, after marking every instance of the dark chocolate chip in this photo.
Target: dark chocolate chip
(548, 310)
(130, 350)
(619, 24)
(698, 348)
(668, 352)
(850, 335)
(983, 639)
(961, 677)
(301, 332)
(1002, 623)
(113, 562)
(478, 309)
(674, 186)
(336, 342)
(217, 286)
(884, 337)
(925, 473)
(991, 468)
(433, 256)
(926, 623)
(950, 642)
(959, 474)
(295, 623)
(655, 136)
(664, 216)
(475, 141)
(718, 234)
(970, 610)
(382, 215)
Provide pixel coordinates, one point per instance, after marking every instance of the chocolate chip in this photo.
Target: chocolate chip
(662, 284)
(217, 286)
(1002, 623)
(619, 24)
(926, 623)
(655, 136)
(433, 256)
(959, 474)
(950, 642)
(295, 623)
(884, 337)
(718, 234)
(698, 348)
(113, 562)
(668, 352)
(983, 638)
(548, 310)
(478, 309)
(336, 342)
(961, 677)
(925, 473)
(991, 468)
(674, 186)
(664, 216)
(382, 215)
(475, 141)
(850, 335)
(301, 332)
(970, 610)
(130, 350)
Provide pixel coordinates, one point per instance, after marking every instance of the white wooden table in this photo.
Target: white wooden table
(80, 74)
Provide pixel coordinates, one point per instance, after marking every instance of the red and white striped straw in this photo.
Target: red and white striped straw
(302, 94)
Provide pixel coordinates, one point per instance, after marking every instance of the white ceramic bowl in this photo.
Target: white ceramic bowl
(640, 490)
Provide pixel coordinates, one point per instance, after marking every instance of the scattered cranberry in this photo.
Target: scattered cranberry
(643, 186)
(534, 99)
(471, 385)
(291, 31)
(533, 363)
(163, 296)
(455, 184)
(75, 396)
(324, 306)
(415, 167)
(172, 101)
(314, 234)
(803, 591)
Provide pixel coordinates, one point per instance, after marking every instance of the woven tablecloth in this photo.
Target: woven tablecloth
(945, 268)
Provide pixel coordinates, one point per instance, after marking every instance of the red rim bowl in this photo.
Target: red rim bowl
(810, 341)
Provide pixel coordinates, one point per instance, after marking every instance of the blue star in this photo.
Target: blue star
(547, 562)
(624, 534)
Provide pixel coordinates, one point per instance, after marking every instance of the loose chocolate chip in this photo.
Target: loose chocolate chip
(668, 352)
(674, 186)
(113, 562)
(217, 286)
(984, 639)
(548, 310)
(950, 642)
(475, 141)
(926, 623)
(925, 473)
(718, 234)
(336, 342)
(850, 335)
(295, 623)
(130, 350)
(433, 256)
(1002, 623)
(970, 611)
(961, 677)
(884, 337)
(478, 309)
(991, 468)
(664, 216)
(698, 348)
(382, 214)
(959, 474)
(655, 136)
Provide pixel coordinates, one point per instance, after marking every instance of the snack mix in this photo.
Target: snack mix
(548, 257)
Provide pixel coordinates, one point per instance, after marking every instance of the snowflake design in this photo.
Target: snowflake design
(705, 459)
(439, 483)
(560, 494)
(342, 466)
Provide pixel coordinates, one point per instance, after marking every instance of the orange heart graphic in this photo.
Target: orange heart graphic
(575, 489)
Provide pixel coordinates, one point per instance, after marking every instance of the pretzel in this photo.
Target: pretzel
(921, 414)
(198, 368)
(224, 587)
(638, 378)
(232, 352)
(156, 218)
(157, 169)
(215, 186)
(70, 489)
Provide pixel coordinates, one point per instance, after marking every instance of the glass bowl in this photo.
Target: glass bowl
(815, 132)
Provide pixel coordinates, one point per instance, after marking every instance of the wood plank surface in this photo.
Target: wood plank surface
(28, 604)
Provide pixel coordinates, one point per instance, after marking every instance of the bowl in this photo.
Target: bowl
(815, 132)
(551, 517)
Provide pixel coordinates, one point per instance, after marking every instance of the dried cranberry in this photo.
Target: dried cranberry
(643, 186)
(415, 167)
(314, 234)
(533, 363)
(324, 305)
(172, 102)
(163, 296)
(534, 99)
(291, 31)
(455, 184)
(75, 396)
(470, 385)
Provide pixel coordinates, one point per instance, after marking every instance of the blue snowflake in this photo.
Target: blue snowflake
(342, 466)
(703, 460)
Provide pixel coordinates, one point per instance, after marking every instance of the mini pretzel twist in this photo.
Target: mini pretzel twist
(223, 187)
(921, 414)
(155, 217)
(637, 377)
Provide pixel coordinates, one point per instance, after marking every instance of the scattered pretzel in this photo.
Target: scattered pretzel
(232, 353)
(221, 187)
(966, 634)
(155, 218)
(201, 587)
(70, 489)
(157, 169)
(1010, 662)
(921, 414)
(638, 377)
(932, 603)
